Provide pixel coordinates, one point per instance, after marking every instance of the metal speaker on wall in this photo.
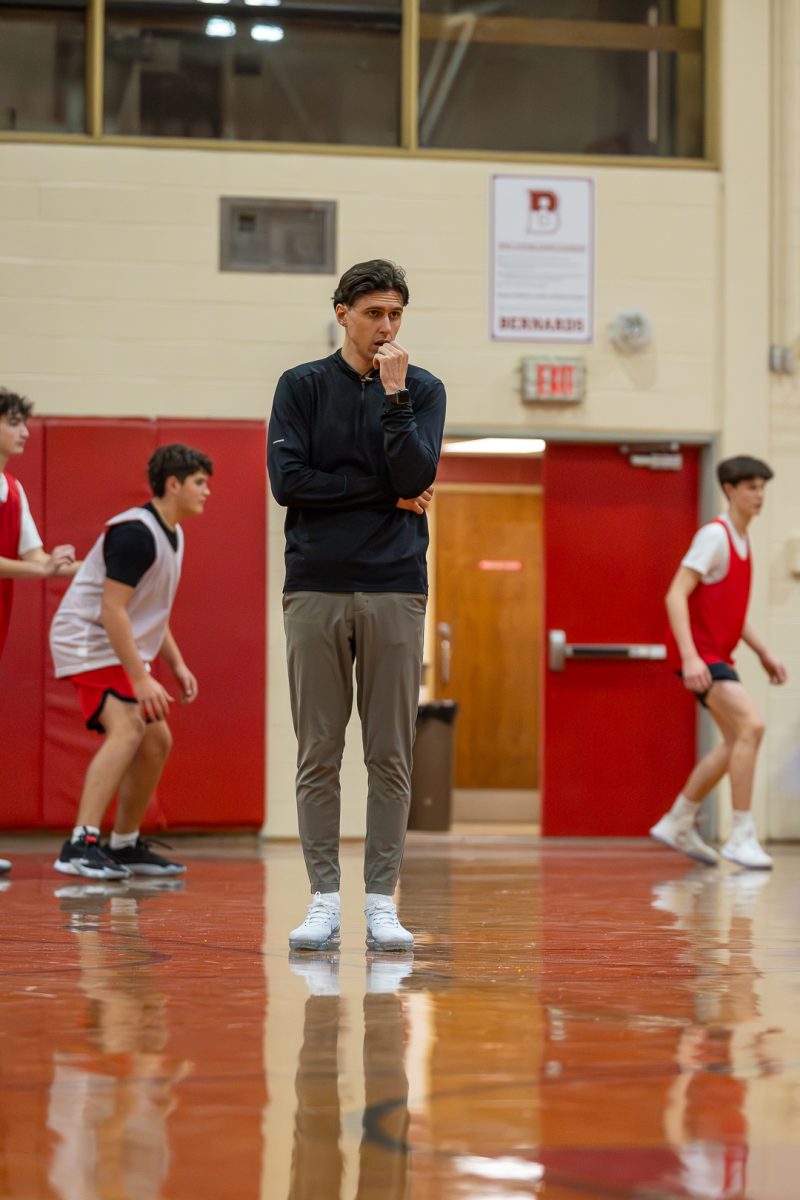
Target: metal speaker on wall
(630, 330)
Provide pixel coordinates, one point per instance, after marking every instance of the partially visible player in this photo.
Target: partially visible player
(22, 555)
(110, 626)
(707, 607)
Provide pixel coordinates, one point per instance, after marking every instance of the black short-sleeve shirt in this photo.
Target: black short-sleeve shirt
(129, 549)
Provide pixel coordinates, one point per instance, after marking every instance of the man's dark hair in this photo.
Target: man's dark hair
(737, 470)
(377, 275)
(14, 405)
(175, 459)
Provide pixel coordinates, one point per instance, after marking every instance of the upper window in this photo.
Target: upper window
(42, 66)
(582, 77)
(617, 77)
(266, 70)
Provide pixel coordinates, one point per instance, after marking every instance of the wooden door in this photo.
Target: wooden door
(488, 591)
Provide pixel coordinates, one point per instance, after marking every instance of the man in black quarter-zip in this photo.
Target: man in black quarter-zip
(354, 443)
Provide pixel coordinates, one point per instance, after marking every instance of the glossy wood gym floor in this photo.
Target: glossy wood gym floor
(578, 1020)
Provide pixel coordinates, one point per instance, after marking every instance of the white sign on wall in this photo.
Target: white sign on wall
(542, 270)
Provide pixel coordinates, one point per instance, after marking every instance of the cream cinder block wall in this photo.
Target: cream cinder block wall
(111, 300)
(111, 303)
(783, 705)
(744, 232)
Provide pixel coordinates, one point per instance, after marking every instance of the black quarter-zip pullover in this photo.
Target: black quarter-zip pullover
(340, 456)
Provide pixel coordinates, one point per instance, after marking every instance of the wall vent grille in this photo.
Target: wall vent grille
(291, 237)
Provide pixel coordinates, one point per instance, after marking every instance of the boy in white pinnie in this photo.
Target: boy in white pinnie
(111, 624)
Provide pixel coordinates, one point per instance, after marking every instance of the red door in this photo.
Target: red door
(619, 734)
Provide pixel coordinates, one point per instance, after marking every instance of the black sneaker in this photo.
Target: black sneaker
(87, 857)
(139, 859)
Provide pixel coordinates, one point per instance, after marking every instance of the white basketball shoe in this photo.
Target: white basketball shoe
(743, 846)
(384, 931)
(680, 833)
(320, 930)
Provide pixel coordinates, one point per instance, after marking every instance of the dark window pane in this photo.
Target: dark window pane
(625, 11)
(42, 67)
(321, 71)
(582, 76)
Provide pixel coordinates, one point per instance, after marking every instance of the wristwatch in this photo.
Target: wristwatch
(401, 397)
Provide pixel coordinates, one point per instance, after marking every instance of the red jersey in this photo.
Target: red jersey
(10, 527)
(717, 611)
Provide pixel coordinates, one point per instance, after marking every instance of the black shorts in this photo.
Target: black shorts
(718, 671)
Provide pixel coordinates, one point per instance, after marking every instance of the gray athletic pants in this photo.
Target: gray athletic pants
(326, 632)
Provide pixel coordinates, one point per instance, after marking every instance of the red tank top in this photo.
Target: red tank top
(717, 611)
(10, 526)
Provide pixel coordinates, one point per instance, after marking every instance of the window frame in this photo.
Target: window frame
(409, 113)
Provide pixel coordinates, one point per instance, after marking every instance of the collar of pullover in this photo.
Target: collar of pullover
(340, 361)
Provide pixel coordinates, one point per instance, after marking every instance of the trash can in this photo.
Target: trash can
(432, 772)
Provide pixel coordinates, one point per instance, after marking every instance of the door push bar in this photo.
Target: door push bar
(559, 650)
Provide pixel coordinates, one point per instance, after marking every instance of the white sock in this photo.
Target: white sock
(376, 900)
(684, 808)
(332, 899)
(81, 830)
(119, 841)
(740, 820)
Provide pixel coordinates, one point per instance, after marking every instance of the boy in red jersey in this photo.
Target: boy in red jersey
(707, 607)
(22, 555)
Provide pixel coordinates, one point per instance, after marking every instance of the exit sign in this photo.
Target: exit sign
(553, 380)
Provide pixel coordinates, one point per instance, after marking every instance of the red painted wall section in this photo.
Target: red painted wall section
(515, 472)
(22, 669)
(87, 471)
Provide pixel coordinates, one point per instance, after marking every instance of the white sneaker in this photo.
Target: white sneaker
(384, 931)
(5, 865)
(681, 834)
(744, 848)
(320, 930)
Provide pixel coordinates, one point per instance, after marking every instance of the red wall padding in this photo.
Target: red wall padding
(216, 772)
(215, 777)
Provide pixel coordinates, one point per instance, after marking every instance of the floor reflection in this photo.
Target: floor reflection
(317, 1159)
(577, 1021)
(726, 1045)
(131, 1035)
(686, 1042)
(110, 1097)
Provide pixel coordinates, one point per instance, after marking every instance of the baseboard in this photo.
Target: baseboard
(495, 804)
